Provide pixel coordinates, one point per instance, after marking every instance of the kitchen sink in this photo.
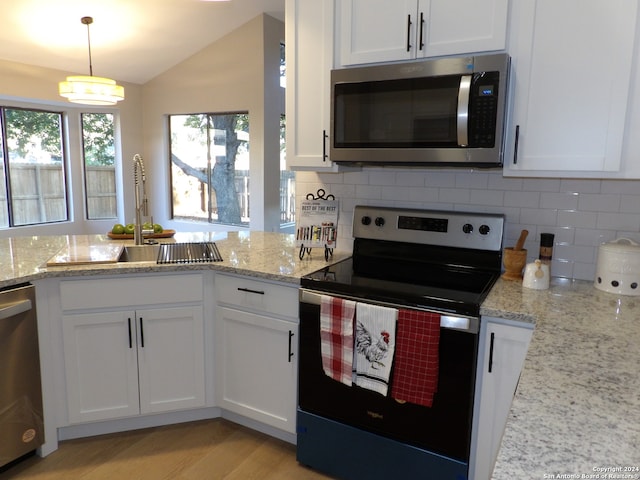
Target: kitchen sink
(139, 253)
(201, 252)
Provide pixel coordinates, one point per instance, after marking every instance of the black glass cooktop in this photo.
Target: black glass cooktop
(449, 291)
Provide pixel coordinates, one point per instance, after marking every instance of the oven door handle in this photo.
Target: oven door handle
(466, 324)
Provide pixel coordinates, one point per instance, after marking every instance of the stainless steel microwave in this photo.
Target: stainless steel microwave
(446, 111)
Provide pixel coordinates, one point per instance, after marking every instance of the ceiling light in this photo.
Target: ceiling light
(90, 90)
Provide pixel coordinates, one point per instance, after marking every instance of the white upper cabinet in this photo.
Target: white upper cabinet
(572, 62)
(309, 55)
(374, 31)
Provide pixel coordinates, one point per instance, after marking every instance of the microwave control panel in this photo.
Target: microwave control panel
(483, 109)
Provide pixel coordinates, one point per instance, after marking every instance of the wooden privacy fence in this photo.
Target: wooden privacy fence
(39, 196)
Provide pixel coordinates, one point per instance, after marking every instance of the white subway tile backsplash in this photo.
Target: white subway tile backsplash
(630, 203)
(579, 186)
(599, 203)
(522, 199)
(472, 180)
(539, 216)
(573, 218)
(541, 184)
(487, 197)
(618, 221)
(581, 214)
(559, 201)
(440, 179)
(454, 195)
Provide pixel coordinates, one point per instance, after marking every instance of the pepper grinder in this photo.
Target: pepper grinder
(546, 248)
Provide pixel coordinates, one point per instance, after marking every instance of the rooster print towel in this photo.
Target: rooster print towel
(374, 345)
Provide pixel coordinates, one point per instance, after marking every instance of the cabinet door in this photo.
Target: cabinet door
(256, 367)
(571, 65)
(505, 349)
(100, 365)
(374, 31)
(309, 53)
(463, 26)
(171, 358)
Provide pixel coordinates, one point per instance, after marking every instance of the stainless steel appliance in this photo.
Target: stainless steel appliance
(440, 262)
(21, 421)
(446, 111)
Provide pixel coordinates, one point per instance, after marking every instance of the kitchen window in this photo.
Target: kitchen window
(32, 167)
(210, 167)
(98, 148)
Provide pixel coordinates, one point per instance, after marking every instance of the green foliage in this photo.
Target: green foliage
(98, 138)
(26, 127)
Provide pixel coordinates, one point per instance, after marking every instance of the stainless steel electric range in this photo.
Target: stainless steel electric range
(412, 262)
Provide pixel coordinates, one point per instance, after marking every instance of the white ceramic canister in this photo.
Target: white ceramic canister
(536, 276)
(618, 267)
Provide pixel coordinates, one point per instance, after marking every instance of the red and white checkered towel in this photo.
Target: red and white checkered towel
(415, 376)
(336, 337)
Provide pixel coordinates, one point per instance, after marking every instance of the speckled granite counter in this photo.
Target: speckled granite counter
(576, 411)
(260, 254)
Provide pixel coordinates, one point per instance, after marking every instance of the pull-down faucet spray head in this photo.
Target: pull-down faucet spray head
(141, 204)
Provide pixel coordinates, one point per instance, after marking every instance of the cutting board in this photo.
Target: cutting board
(85, 254)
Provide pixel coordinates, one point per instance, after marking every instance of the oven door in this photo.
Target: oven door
(444, 428)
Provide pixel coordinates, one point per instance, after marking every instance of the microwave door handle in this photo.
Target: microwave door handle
(463, 110)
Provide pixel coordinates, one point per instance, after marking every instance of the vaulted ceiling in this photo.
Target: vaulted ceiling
(131, 40)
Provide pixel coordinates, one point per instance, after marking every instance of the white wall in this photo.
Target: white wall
(229, 75)
(581, 213)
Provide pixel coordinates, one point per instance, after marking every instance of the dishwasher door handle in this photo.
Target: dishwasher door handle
(16, 308)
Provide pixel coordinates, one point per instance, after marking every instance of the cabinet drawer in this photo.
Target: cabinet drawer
(127, 292)
(257, 295)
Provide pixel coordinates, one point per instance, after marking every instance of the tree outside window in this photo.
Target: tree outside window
(33, 187)
(210, 167)
(99, 165)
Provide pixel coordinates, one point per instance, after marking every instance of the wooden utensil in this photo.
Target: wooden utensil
(520, 242)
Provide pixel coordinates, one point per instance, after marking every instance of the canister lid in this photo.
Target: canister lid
(546, 239)
(621, 245)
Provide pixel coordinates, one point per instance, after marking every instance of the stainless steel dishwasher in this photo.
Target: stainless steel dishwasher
(21, 422)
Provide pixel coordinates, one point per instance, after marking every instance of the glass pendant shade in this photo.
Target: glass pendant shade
(90, 90)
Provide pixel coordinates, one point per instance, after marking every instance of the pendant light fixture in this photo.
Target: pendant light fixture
(90, 90)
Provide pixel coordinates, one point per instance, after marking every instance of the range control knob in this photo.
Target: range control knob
(484, 229)
(379, 221)
(366, 220)
(467, 228)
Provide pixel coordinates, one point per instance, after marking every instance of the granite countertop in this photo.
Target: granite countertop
(576, 412)
(271, 256)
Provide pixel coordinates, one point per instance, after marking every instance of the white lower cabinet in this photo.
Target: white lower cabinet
(256, 337)
(129, 361)
(503, 349)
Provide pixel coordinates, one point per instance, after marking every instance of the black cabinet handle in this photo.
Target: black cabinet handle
(130, 337)
(493, 335)
(290, 352)
(141, 333)
(248, 290)
(515, 148)
(408, 33)
(421, 45)
(325, 156)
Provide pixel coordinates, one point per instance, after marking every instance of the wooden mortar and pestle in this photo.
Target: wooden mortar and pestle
(515, 258)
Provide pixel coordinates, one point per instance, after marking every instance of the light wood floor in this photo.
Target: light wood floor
(205, 450)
